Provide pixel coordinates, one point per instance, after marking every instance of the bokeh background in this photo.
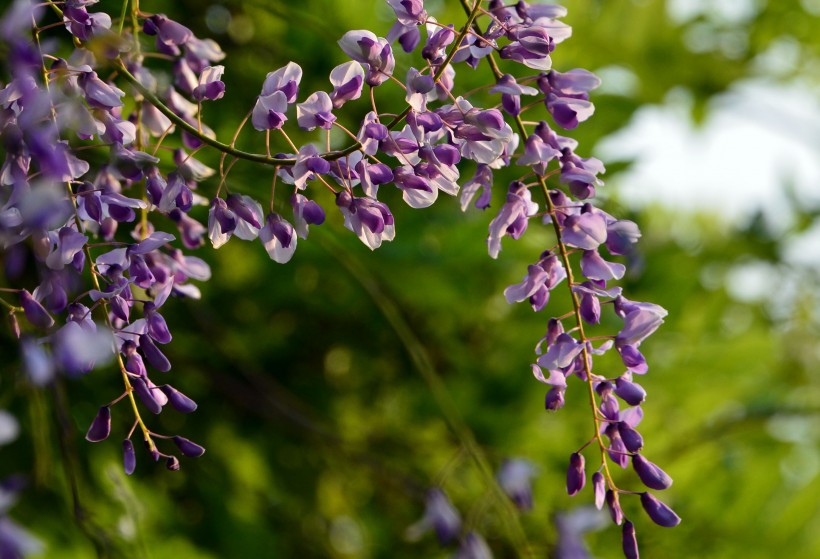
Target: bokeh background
(328, 387)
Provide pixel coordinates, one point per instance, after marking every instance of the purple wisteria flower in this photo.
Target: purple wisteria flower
(482, 181)
(286, 80)
(305, 212)
(629, 542)
(651, 475)
(409, 12)
(513, 218)
(440, 516)
(511, 93)
(576, 478)
(369, 219)
(640, 320)
(269, 111)
(567, 95)
(474, 547)
(317, 110)
(279, 238)
(167, 31)
(541, 278)
(515, 478)
(347, 80)
(210, 85)
(371, 51)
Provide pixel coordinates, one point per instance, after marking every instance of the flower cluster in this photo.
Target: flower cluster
(109, 240)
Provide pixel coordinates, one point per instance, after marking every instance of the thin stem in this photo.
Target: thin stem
(122, 16)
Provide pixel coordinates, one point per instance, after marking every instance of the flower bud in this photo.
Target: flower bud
(633, 441)
(617, 450)
(659, 512)
(35, 312)
(129, 457)
(576, 478)
(145, 394)
(188, 448)
(651, 475)
(599, 488)
(180, 402)
(157, 327)
(555, 399)
(172, 463)
(153, 354)
(101, 426)
(629, 541)
(630, 392)
(614, 507)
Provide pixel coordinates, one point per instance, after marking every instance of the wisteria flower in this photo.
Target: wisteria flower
(210, 85)
(285, 79)
(513, 218)
(374, 52)
(347, 80)
(409, 12)
(269, 111)
(316, 111)
(279, 238)
(369, 219)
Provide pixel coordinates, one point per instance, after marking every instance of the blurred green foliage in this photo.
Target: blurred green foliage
(322, 432)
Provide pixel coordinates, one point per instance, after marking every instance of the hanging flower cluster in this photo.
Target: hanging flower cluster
(86, 201)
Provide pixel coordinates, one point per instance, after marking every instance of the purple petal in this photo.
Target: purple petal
(585, 231)
(561, 353)
(101, 426)
(596, 268)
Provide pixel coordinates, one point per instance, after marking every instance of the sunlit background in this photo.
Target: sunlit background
(328, 387)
